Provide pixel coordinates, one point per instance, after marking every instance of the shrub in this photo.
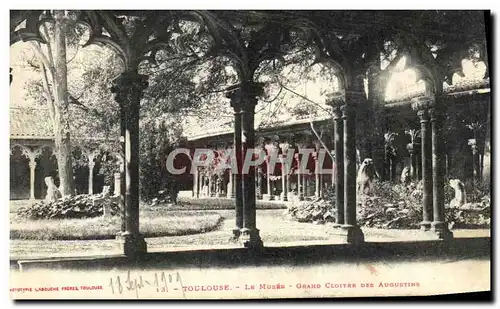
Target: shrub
(396, 206)
(79, 206)
(317, 211)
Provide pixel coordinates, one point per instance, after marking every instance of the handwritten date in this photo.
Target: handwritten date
(161, 281)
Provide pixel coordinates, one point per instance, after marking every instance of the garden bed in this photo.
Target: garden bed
(152, 224)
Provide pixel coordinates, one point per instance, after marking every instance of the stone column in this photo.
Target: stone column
(117, 184)
(91, 177)
(230, 184)
(284, 195)
(217, 186)
(259, 182)
(300, 189)
(32, 165)
(321, 184)
(421, 105)
(269, 186)
(439, 225)
(316, 174)
(128, 89)
(288, 184)
(418, 160)
(195, 183)
(249, 234)
(338, 135)
(210, 184)
(305, 181)
(353, 233)
(237, 144)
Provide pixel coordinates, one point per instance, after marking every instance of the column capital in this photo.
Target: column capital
(355, 96)
(245, 96)
(129, 87)
(422, 103)
(424, 115)
(32, 163)
(347, 110)
(336, 100)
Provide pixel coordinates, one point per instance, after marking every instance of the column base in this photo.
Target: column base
(425, 225)
(259, 197)
(268, 197)
(441, 230)
(236, 232)
(250, 238)
(352, 234)
(283, 197)
(131, 245)
(337, 225)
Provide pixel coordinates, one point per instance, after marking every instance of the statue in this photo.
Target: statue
(459, 199)
(366, 175)
(53, 192)
(405, 175)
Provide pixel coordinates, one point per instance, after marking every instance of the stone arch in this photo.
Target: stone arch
(19, 172)
(46, 166)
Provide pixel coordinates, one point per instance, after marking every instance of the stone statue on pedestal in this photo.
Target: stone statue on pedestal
(53, 192)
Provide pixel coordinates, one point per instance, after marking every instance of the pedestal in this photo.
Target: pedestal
(250, 238)
(131, 245)
(352, 234)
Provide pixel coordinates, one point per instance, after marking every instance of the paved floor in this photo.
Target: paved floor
(276, 230)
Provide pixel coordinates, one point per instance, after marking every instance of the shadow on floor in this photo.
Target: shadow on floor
(455, 250)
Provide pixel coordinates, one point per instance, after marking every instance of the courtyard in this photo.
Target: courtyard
(285, 144)
(278, 230)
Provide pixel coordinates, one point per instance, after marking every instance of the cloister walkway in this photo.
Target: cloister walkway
(276, 230)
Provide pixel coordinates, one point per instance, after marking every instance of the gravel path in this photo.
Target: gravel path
(275, 229)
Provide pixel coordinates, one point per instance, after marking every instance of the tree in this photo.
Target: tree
(52, 60)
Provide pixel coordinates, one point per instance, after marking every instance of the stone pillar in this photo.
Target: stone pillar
(117, 184)
(238, 183)
(128, 89)
(268, 182)
(249, 234)
(321, 184)
(353, 233)
(316, 174)
(284, 196)
(439, 225)
(259, 182)
(300, 188)
(217, 186)
(422, 105)
(210, 184)
(195, 183)
(32, 165)
(288, 185)
(230, 185)
(418, 160)
(91, 176)
(338, 135)
(305, 181)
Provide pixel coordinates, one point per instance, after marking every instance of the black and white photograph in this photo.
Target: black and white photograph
(249, 154)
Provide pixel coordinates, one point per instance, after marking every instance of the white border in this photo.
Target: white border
(190, 4)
